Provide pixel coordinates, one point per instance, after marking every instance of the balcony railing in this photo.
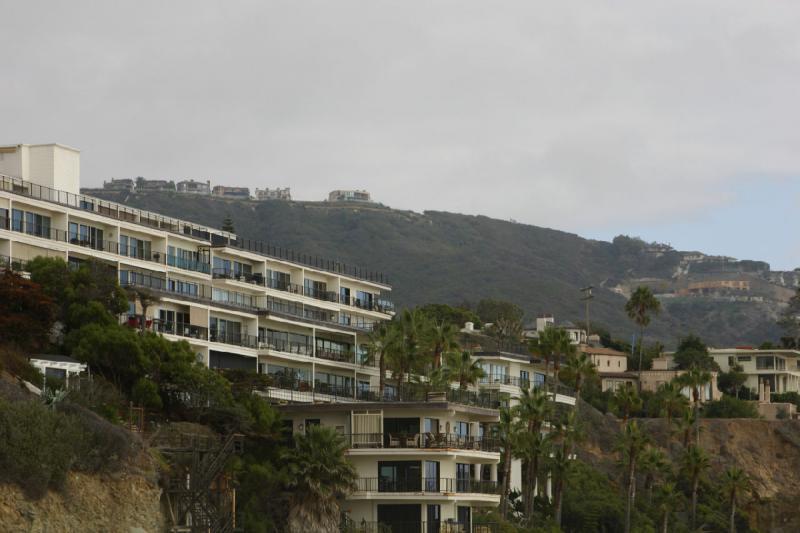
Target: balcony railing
(341, 356)
(426, 485)
(282, 345)
(504, 379)
(327, 296)
(488, 399)
(180, 329)
(426, 441)
(227, 273)
(188, 264)
(12, 263)
(117, 211)
(234, 339)
(441, 526)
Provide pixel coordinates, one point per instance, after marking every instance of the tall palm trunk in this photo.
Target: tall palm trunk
(641, 349)
(631, 494)
(695, 483)
(506, 480)
(382, 376)
(558, 498)
(665, 523)
(732, 527)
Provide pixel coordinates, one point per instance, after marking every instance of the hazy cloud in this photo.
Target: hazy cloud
(575, 115)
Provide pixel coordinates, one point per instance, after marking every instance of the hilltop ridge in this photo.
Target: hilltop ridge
(437, 256)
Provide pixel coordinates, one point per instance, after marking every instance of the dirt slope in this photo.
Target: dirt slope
(769, 451)
(127, 502)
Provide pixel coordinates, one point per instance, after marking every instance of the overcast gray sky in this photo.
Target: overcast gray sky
(675, 120)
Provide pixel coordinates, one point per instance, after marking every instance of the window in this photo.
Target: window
(133, 247)
(764, 362)
(315, 289)
(744, 358)
(434, 518)
(194, 260)
(278, 280)
(524, 378)
(462, 429)
(463, 477)
(86, 235)
(399, 476)
(431, 425)
(17, 217)
(431, 482)
(225, 330)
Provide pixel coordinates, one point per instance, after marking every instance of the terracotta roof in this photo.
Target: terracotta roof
(597, 350)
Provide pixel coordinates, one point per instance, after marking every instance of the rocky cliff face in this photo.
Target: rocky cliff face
(768, 451)
(126, 502)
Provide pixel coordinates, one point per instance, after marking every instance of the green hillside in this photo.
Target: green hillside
(453, 258)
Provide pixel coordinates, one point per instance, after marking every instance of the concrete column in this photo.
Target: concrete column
(493, 472)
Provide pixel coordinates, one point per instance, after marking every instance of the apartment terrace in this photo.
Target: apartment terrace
(296, 391)
(421, 441)
(379, 305)
(209, 295)
(151, 220)
(427, 485)
(443, 526)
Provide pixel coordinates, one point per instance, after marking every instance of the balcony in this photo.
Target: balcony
(422, 441)
(427, 485)
(188, 264)
(224, 273)
(12, 263)
(282, 345)
(340, 356)
(443, 526)
(326, 296)
(168, 328)
(234, 339)
(505, 379)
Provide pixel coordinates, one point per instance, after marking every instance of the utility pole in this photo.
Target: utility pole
(587, 297)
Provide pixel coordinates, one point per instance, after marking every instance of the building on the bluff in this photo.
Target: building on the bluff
(349, 196)
(194, 187)
(238, 193)
(273, 194)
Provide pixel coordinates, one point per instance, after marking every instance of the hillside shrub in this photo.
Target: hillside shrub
(37, 446)
(730, 407)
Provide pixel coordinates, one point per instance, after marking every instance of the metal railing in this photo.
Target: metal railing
(180, 329)
(282, 345)
(410, 393)
(12, 263)
(427, 441)
(427, 484)
(439, 526)
(504, 379)
(234, 339)
(181, 227)
(188, 264)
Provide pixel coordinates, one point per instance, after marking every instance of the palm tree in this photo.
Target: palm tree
(673, 402)
(506, 432)
(533, 409)
(554, 343)
(695, 464)
(403, 354)
(319, 478)
(669, 498)
(641, 305)
(380, 342)
(560, 463)
(463, 369)
(686, 424)
(632, 443)
(695, 378)
(440, 338)
(579, 368)
(653, 464)
(734, 483)
(626, 400)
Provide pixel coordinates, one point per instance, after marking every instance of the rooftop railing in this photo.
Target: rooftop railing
(181, 227)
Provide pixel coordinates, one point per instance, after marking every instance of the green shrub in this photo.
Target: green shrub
(730, 407)
(36, 446)
(145, 393)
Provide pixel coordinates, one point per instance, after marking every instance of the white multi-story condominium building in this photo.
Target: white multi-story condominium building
(576, 334)
(239, 304)
(423, 458)
(779, 368)
(273, 194)
(349, 196)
